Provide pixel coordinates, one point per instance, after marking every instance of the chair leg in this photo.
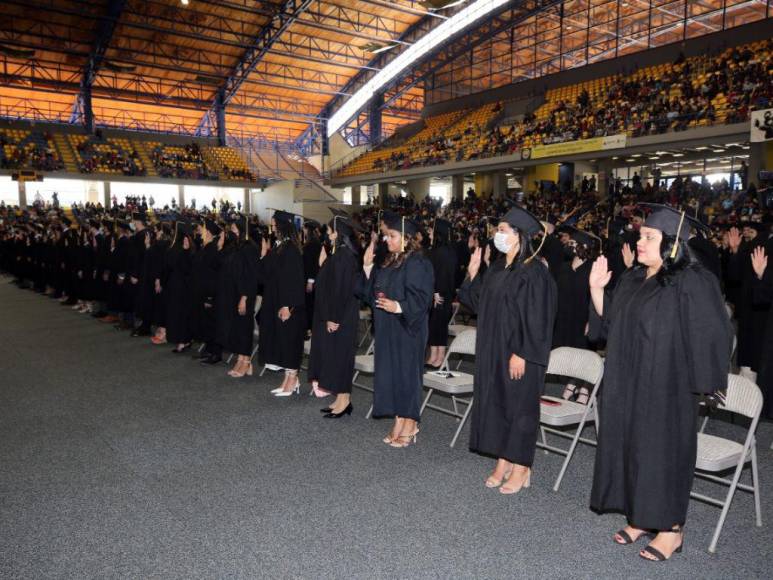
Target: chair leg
(262, 371)
(756, 485)
(369, 414)
(544, 439)
(569, 454)
(705, 422)
(426, 400)
(365, 336)
(726, 507)
(462, 422)
(254, 352)
(228, 360)
(456, 406)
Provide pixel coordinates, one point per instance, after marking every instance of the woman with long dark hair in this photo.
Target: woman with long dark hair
(516, 304)
(240, 289)
(668, 338)
(443, 258)
(178, 268)
(400, 292)
(204, 287)
(571, 275)
(282, 316)
(336, 318)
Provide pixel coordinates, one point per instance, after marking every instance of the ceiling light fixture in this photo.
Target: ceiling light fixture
(459, 21)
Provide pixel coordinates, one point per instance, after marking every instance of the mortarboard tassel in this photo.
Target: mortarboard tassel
(675, 247)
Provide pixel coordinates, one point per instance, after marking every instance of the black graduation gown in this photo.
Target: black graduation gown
(664, 344)
(751, 316)
(206, 264)
(152, 269)
(102, 266)
(134, 268)
(400, 338)
(239, 267)
(331, 361)
(763, 295)
(516, 310)
(280, 273)
(573, 301)
(443, 260)
(707, 254)
(178, 268)
(311, 253)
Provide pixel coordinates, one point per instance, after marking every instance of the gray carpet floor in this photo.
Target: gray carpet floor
(121, 460)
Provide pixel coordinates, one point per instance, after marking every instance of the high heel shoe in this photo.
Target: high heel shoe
(493, 482)
(296, 390)
(326, 410)
(504, 490)
(657, 555)
(238, 375)
(405, 440)
(347, 411)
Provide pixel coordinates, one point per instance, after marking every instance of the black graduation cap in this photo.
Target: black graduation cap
(579, 236)
(670, 221)
(403, 225)
(281, 216)
(387, 215)
(308, 222)
(66, 221)
(94, 223)
(184, 228)
(212, 227)
(523, 220)
(140, 216)
(758, 226)
(442, 228)
(124, 225)
(338, 212)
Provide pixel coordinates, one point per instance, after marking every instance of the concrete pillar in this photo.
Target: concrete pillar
(418, 187)
(604, 170)
(106, 194)
(498, 183)
(756, 163)
(22, 194)
(180, 195)
(246, 205)
(457, 187)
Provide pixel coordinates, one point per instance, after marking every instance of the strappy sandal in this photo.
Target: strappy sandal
(657, 555)
(583, 392)
(492, 482)
(569, 391)
(627, 539)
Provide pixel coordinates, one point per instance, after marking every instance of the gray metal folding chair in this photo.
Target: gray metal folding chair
(717, 454)
(455, 384)
(557, 414)
(365, 363)
(367, 316)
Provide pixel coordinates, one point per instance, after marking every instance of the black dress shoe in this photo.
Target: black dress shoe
(326, 410)
(347, 411)
(211, 360)
(140, 332)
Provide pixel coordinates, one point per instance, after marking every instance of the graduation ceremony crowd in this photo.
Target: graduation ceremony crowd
(663, 280)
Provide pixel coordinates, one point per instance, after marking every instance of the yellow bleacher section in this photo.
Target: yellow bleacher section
(468, 130)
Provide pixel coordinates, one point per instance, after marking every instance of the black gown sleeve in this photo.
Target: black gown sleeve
(419, 286)
(290, 278)
(247, 281)
(343, 277)
(534, 309)
(470, 291)
(705, 329)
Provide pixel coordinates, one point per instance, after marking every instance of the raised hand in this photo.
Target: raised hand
(759, 261)
(474, 265)
(628, 255)
(487, 255)
(367, 259)
(265, 246)
(733, 239)
(322, 256)
(600, 274)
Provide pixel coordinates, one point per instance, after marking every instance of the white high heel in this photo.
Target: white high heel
(296, 390)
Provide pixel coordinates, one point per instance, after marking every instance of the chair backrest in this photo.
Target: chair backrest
(464, 342)
(743, 397)
(576, 363)
(454, 312)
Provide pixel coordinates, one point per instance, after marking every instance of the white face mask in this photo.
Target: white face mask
(384, 238)
(500, 242)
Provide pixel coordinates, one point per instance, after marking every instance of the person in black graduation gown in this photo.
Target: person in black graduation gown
(155, 260)
(762, 294)
(668, 338)
(282, 316)
(573, 300)
(516, 304)
(102, 287)
(178, 270)
(143, 303)
(751, 315)
(205, 275)
(240, 292)
(117, 265)
(336, 318)
(400, 293)
(311, 249)
(134, 267)
(443, 258)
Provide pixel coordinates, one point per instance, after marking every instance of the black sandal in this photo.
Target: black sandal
(627, 539)
(658, 555)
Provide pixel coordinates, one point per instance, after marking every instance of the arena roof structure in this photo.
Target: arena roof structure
(280, 69)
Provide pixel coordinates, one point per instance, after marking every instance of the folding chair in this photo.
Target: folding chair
(717, 454)
(456, 384)
(454, 328)
(306, 351)
(365, 363)
(365, 314)
(557, 414)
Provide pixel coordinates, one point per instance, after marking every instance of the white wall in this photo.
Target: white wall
(279, 195)
(69, 191)
(9, 190)
(162, 193)
(340, 149)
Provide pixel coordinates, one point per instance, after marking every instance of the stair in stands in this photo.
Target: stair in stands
(66, 153)
(144, 154)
